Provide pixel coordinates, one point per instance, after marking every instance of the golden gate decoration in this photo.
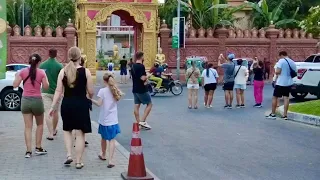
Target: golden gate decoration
(144, 12)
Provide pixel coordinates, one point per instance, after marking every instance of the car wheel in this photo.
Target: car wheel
(11, 100)
(299, 95)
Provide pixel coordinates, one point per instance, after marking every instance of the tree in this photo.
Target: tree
(15, 12)
(168, 11)
(262, 17)
(51, 13)
(312, 22)
(206, 13)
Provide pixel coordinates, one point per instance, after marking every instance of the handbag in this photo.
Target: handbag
(293, 73)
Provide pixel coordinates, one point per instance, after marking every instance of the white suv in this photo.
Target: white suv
(10, 99)
(308, 79)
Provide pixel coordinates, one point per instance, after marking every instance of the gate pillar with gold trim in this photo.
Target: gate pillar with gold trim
(89, 13)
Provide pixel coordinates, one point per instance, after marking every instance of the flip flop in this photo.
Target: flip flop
(55, 134)
(101, 158)
(110, 165)
(50, 139)
(68, 161)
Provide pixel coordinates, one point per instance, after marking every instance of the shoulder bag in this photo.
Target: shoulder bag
(293, 73)
(237, 71)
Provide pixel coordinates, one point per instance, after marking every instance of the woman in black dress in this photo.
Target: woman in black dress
(74, 83)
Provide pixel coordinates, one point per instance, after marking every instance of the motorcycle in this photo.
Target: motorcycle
(169, 84)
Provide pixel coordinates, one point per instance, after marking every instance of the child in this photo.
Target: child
(108, 118)
(110, 66)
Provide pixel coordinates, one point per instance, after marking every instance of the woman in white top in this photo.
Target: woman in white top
(210, 79)
(240, 81)
(108, 118)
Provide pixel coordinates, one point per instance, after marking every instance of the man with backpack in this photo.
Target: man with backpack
(285, 71)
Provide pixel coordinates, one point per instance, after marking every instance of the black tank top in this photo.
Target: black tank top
(80, 85)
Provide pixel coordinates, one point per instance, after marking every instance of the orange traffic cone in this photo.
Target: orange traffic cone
(136, 168)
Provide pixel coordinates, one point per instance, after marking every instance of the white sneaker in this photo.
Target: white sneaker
(145, 125)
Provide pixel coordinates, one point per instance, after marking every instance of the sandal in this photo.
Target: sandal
(189, 107)
(68, 161)
(110, 166)
(79, 165)
(102, 158)
(55, 134)
(195, 107)
(50, 139)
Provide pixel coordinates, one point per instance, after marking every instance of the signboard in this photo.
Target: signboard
(3, 39)
(175, 33)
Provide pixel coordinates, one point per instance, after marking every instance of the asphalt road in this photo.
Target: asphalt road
(212, 144)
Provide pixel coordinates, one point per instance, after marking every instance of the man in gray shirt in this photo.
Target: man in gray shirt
(228, 78)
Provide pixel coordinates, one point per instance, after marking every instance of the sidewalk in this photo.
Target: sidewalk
(14, 166)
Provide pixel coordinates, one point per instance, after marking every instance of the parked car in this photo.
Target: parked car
(308, 78)
(10, 98)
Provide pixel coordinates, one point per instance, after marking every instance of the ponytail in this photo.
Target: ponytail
(208, 66)
(33, 61)
(116, 92)
(70, 69)
(71, 73)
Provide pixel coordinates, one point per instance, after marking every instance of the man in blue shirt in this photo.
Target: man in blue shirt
(283, 84)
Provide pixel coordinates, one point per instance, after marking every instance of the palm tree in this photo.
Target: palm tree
(205, 13)
(274, 16)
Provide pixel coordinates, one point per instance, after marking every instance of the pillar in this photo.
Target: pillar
(70, 32)
(164, 39)
(272, 34)
(90, 50)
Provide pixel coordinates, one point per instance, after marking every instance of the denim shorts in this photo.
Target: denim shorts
(142, 98)
(240, 86)
(123, 71)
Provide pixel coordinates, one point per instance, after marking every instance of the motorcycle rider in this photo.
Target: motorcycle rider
(155, 74)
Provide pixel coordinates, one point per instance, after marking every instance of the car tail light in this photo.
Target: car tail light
(301, 73)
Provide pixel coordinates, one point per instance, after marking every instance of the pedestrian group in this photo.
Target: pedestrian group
(51, 89)
(236, 74)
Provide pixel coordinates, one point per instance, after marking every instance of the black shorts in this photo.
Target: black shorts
(210, 87)
(228, 86)
(280, 91)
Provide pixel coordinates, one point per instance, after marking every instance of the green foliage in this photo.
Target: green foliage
(312, 22)
(168, 11)
(15, 12)
(282, 14)
(103, 63)
(51, 13)
(210, 13)
(100, 55)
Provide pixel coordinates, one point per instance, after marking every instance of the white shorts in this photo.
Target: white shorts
(193, 86)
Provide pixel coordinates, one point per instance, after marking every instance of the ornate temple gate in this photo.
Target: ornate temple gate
(90, 12)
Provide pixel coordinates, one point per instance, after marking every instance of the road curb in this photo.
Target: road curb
(302, 118)
(123, 151)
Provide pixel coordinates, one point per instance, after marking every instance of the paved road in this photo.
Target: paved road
(207, 144)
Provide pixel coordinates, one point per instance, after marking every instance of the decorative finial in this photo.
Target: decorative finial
(163, 21)
(271, 22)
(69, 20)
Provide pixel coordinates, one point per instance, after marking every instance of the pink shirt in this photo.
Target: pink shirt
(28, 89)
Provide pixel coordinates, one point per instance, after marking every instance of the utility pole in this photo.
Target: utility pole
(178, 49)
